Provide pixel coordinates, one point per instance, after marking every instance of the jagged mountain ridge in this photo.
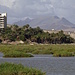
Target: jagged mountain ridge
(23, 22)
(47, 22)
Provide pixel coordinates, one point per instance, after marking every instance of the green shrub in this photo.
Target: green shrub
(13, 69)
(17, 54)
(63, 54)
(64, 50)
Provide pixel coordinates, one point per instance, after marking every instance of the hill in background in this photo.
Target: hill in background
(48, 23)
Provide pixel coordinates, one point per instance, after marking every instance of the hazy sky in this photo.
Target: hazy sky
(19, 9)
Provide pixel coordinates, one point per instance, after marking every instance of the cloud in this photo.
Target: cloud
(31, 8)
(7, 3)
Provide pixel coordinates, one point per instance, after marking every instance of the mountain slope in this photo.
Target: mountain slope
(23, 22)
(51, 22)
(48, 22)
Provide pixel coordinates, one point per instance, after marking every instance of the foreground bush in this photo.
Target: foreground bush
(64, 50)
(63, 54)
(17, 54)
(13, 69)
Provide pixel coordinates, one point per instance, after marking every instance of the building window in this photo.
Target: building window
(0, 25)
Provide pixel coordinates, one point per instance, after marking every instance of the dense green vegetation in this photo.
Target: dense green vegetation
(13, 69)
(57, 50)
(36, 35)
(26, 34)
(17, 54)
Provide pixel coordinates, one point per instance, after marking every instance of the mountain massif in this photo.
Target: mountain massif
(47, 22)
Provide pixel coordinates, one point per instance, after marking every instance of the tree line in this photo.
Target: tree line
(37, 35)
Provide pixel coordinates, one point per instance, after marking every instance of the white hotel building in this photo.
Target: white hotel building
(3, 20)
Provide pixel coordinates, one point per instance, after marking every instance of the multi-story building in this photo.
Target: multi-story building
(3, 20)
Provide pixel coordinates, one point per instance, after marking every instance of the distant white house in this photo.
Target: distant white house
(3, 20)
